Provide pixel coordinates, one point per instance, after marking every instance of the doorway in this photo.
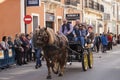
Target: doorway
(35, 22)
(50, 24)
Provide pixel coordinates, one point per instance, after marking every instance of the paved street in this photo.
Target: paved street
(106, 67)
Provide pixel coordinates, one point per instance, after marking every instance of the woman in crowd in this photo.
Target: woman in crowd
(11, 45)
(5, 47)
(1, 48)
(29, 54)
(18, 49)
(110, 39)
(25, 46)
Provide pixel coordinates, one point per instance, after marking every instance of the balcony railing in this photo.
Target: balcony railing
(72, 2)
(58, 0)
(51, 0)
(94, 5)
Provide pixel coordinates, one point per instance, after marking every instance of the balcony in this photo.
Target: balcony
(72, 2)
(90, 4)
(52, 1)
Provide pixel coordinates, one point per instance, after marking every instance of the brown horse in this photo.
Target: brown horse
(54, 47)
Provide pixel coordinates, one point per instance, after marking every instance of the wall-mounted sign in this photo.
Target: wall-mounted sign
(72, 16)
(32, 2)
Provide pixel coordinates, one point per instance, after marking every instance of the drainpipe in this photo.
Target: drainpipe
(82, 10)
(25, 15)
(117, 18)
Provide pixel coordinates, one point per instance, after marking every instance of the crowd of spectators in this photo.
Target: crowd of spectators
(105, 41)
(21, 47)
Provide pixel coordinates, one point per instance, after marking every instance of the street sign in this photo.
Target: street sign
(27, 19)
(72, 16)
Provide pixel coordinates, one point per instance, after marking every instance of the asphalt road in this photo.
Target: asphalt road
(106, 67)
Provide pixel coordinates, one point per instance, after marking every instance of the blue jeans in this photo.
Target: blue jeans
(38, 56)
(81, 39)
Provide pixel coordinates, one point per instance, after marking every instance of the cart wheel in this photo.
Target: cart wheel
(85, 61)
(90, 59)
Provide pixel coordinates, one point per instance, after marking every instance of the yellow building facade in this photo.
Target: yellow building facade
(93, 14)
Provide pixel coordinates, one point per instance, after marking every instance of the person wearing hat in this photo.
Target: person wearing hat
(79, 33)
(76, 30)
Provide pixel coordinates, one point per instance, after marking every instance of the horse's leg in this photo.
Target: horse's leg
(61, 70)
(63, 63)
(49, 70)
(61, 67)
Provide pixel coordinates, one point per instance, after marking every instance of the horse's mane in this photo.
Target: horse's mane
(51, 34)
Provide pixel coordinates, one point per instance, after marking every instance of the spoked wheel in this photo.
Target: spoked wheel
(90, 59)
(85, 61)
(55, 68)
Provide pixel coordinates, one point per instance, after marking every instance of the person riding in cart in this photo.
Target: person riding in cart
(66, 29)
(79, 33)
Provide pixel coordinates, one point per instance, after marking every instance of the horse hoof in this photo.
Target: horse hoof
(56, 72)
(49, 77)
(60, 75)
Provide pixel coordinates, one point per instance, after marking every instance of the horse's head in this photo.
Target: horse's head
(41, 37)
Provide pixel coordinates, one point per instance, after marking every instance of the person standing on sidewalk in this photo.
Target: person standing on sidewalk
(11, 45)
(97, 42)
(5, 47)
(104, 42)
(37, 51)
(110, 38)
(25, 46)
(18, 50)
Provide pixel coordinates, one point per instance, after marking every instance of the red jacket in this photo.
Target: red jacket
(109, 38)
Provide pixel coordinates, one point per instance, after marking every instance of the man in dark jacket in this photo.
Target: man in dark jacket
(67, 29)
(97, 41)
